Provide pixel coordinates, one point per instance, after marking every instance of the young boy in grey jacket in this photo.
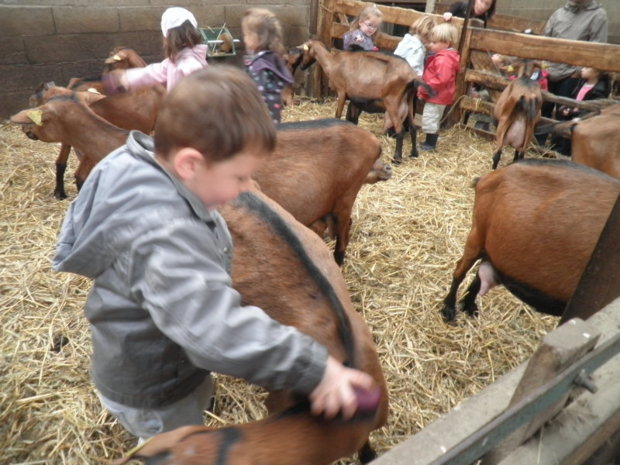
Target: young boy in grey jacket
(162, 310)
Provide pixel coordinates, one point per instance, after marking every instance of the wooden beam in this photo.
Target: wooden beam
(573, 52)
(559, 349)
(587, 423)
(515, 24)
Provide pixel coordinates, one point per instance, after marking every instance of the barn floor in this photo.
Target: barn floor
(407, 234)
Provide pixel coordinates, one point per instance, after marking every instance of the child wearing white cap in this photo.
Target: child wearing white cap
(185, 53)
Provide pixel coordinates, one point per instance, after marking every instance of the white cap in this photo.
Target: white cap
(174, 17)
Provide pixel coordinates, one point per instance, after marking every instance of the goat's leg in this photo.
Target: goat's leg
(413, 132)
(340, 104)
(398, 151)
(470, 255)
(81, 173)
(468, 303)
(518, 155)
(61, 167)
(353, 113)
(342, 228)
(496, 157)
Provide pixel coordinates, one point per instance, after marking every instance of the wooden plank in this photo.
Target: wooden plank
(435, 440)
(585, 425)
(599, 284)
(572, 52)
(515, 24)
(559, 349)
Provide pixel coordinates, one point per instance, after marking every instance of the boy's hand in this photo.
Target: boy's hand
(337, 391)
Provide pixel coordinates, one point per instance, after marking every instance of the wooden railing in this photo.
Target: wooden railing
(478, 45)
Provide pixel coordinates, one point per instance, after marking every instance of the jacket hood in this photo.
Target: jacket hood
(107, 214)
(272, 62)
(575, 6)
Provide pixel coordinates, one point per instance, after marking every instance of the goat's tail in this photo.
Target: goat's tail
(417, 83)
(564, 129)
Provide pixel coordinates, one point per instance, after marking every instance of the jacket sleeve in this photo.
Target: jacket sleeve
(600, 29)
(155, 73)
(180, 280)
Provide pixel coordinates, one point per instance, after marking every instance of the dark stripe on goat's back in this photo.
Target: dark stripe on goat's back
(256, 205)
(313, 124)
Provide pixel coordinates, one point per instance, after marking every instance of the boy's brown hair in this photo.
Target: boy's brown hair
(218, 111)
(422, 27)
(445, 32)
(266, 26)
(178, 38)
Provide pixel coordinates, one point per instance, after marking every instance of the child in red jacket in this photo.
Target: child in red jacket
(440, 71)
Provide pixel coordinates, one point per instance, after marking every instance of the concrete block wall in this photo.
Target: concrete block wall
(56, 40)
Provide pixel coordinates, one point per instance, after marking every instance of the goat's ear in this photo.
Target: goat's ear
(113, 59)
(28, 117)
(36, 116)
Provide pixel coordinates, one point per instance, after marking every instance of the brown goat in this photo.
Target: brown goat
(126, 113)
(370, 76)
(129, 110)
(298, 275)
(518, 110)
(316, 171)
(595, 140)
(535, 224)
(64, 119)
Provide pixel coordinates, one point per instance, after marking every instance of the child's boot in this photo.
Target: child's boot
(430, 143)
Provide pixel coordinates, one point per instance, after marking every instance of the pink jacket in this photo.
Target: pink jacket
(169, 72)
(440, 72)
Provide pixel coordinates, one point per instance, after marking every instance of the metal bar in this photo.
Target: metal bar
(475, 446)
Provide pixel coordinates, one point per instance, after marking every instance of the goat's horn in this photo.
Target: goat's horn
(306, 48)
(36, 116)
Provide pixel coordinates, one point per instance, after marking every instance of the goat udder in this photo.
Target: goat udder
(487, 278)
(515, 136)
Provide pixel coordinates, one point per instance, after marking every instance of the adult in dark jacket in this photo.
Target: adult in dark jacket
(482, 9)
(593, 84)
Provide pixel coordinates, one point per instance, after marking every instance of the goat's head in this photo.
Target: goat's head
(41, 123)
(308, 55)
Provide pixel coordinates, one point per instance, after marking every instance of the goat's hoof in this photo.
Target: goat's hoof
(366, 453)
(414, 154)
(60, 195)
(471, 309)
(449, 314)
(397, 161)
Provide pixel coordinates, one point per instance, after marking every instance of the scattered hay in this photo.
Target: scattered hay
(407, 234)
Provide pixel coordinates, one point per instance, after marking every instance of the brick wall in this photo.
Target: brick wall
(59, 39)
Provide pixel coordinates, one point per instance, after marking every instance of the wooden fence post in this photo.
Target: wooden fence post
(326, 19)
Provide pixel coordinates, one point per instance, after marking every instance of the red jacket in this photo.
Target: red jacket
(440, 72)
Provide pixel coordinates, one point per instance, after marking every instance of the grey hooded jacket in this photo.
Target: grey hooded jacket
(586, 22)
(162, 309)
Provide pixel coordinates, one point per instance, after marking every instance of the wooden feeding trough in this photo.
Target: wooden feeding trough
(219, 40)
